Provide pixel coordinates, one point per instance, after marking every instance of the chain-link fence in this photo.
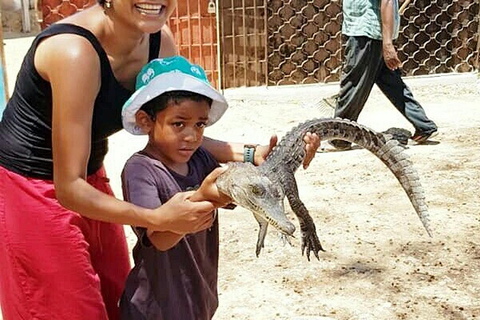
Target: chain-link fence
(279, 42)
(243, 36)
(439, 37)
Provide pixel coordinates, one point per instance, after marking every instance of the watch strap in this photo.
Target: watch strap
(249, 153)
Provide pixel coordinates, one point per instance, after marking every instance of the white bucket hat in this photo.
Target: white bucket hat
(170, 74)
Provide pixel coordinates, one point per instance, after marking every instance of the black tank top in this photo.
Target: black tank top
(26, 126)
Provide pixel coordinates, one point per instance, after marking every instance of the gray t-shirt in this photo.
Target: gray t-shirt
(362, 18)
(180, 283)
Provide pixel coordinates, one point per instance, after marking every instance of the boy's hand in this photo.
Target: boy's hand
(312, 142)
(262, 152)
(208, 190)
(182, 216)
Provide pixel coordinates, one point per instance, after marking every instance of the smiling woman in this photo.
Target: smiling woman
(67, 101)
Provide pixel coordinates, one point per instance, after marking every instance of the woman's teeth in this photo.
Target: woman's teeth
(148, 8)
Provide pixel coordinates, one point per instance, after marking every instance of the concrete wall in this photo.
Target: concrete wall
(12, 16)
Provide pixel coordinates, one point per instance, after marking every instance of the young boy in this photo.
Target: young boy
(175, 275)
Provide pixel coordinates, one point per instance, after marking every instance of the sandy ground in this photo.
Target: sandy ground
(379, 262)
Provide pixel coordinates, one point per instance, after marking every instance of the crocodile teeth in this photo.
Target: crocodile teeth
(149, 8)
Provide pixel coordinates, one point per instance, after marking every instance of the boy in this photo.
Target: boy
(175, 275)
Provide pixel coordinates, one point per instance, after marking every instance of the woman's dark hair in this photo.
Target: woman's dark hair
(161, 102)
(101, 2)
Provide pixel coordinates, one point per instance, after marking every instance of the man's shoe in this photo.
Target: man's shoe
(422, 137)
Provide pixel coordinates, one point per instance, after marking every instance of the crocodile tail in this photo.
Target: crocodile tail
(387, 150)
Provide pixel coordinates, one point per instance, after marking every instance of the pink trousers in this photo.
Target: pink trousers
(54, 263)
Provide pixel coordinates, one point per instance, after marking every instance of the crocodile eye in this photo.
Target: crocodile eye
(256, 190)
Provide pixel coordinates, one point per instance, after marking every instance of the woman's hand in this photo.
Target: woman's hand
(312, 144)
(181, 215)
(191, 211)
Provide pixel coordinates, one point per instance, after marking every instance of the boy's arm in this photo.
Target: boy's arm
(140, 188)
(224, 151)
(229, 151)
(164, 240)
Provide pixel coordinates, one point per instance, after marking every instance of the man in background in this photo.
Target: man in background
(371, 26)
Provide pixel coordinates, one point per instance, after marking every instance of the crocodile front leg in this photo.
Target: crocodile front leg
(310, 240)
(262, 232)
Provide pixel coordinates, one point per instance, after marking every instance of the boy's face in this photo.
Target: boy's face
(177, 131)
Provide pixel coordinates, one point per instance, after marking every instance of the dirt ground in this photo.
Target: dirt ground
(379, 262)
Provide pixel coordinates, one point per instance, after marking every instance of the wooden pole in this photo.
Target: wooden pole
(26, 25)
(218, 12)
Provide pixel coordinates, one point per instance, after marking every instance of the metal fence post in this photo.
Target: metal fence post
(26, 26)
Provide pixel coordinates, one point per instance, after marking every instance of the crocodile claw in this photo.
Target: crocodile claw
(285, 239)
(259, 248)
(310, 243)
(262, 232)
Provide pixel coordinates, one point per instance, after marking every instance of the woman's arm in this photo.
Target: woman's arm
(74, 75)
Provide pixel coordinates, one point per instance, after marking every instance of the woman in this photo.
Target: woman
(63, 253)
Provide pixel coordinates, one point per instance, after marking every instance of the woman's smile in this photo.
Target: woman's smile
(150, 9)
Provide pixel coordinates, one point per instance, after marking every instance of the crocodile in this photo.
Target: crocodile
(262, 189)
